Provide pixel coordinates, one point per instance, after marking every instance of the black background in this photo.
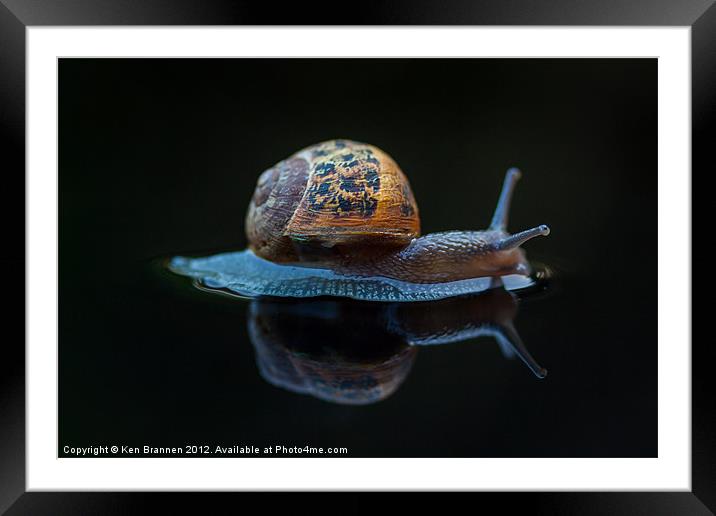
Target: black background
(159, 157)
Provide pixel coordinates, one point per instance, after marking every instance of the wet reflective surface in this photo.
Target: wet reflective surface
(160, 159)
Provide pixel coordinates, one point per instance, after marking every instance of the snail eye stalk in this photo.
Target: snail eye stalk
(502, 211)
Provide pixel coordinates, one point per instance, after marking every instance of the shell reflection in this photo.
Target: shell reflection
(353, 352)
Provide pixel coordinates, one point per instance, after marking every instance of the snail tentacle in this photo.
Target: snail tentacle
(502, 211)
(516, 240)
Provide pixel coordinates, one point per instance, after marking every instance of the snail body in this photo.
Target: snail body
(339, 218)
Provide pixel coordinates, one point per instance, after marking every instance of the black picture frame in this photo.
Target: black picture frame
(17, 15)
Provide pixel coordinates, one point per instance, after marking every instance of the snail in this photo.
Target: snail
(306, 346)
(339, 218)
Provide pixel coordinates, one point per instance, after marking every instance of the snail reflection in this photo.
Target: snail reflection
(353, 352)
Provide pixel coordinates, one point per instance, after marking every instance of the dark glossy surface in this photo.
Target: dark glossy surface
(161, 158)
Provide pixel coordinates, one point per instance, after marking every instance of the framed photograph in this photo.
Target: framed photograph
(414, 252)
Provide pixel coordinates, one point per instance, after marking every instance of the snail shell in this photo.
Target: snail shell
(336, 193)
